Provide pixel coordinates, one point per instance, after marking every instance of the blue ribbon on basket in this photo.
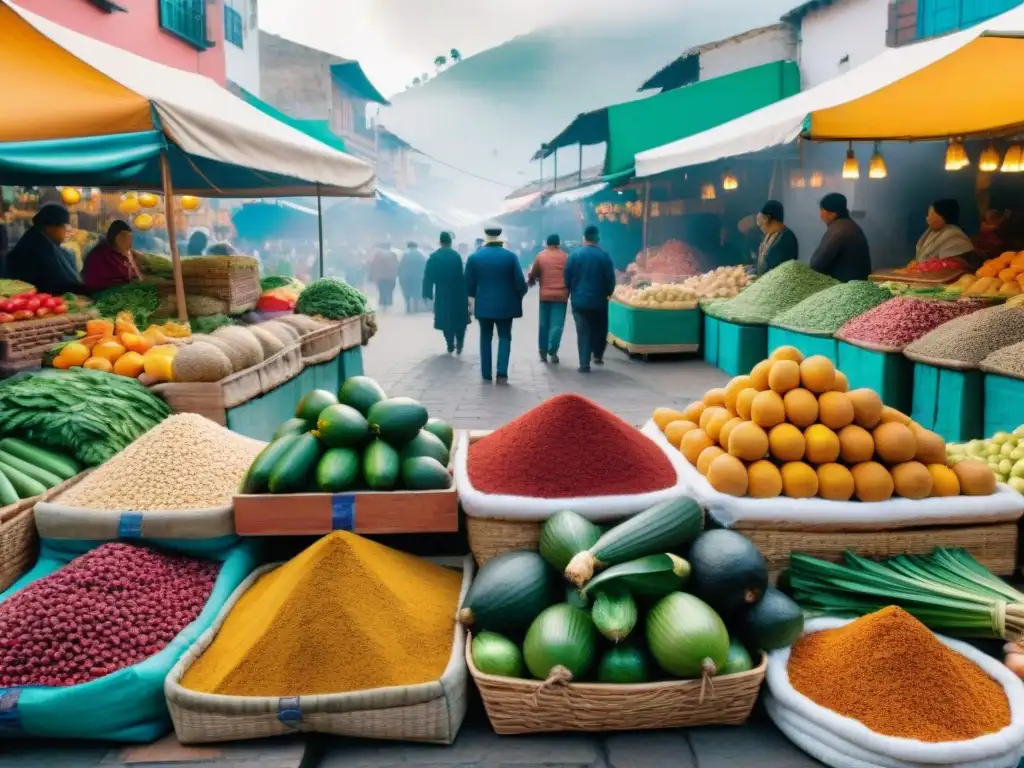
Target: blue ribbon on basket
(289, 711)
(129, 525)
(343, 512)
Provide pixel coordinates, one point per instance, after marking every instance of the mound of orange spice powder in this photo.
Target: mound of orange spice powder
(890, 672)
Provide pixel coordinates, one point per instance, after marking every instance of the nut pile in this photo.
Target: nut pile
(827, 310)
(185, 462)
(972, 338)
(900, 321)
(781, 288)
(108, 609)
(1008, 360)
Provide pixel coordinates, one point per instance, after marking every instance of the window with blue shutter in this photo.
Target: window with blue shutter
(234, 29)
(939, 17)
(185, 19)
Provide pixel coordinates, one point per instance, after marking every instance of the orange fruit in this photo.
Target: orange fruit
(99, 328)
(787, 353)
(75, 353)
(676, 429)
(733, 389)
(130, 364)
(136, 342)
(99, 364)
(61, 362)
(108, 350)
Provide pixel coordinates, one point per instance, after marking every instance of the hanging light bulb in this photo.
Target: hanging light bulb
(851, 170)
(965, 159)
(876, 168)
(797, 180)
(707, 192)
(729, 181)
(989, 159)
(1012, 159)
(817, 180)
(956, 156)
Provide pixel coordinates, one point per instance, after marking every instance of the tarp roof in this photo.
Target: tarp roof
(634, 126)
(317, 129)
(350, 74)
(112, 113)
(937, 88)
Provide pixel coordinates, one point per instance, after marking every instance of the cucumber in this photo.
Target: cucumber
(563, 535)
(397, 420)
(614, 613)
(7, 493)
(312, 403)
(738, 659)
(338, 470)
(494, 654)
(341, 426)
(623, 664)
(422, 473)
(426, 444)
(291, 427)
(381, 466)
(257, 479)
(647, 578)
(508, 593)
(441, 429)
(663, 527)
(62, 466)
(294, 469)
(25, 486)
(361, 393)
(48, 479)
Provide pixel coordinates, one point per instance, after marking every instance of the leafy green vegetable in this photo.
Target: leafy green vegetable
(210, 323)
(331, 298)
(141, 299)
(87, 414)
(271, 282)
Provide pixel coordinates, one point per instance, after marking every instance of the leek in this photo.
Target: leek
(948, 591)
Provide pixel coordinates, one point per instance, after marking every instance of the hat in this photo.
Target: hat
(834, 202)
(493, 236)
(773, 209)
(52, 215)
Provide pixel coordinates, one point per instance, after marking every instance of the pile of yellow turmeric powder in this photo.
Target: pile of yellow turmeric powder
(346, 614)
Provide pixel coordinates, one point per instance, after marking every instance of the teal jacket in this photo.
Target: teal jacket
(590, 277)
(495, 281)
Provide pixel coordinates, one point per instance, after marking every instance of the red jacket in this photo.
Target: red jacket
(105, 267)
(549, 270)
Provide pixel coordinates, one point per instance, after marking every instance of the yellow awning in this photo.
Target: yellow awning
(49, 93)
(972, 91)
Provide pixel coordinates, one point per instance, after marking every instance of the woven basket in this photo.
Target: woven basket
(31, 339)
(239, 288)
(18, 537)
(428, 712)
(490, 537)
(994, 546)
(530, 706)
(322, 345)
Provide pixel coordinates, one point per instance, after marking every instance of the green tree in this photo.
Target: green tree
(415, 81)
(455, 56)
(440, 61)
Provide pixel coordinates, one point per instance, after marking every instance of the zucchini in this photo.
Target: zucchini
(257, 479)
(25, 486)
(297, 467)
(647, 578)
(48, 479)
(614, 614)
(508, 593)
(664, 526)
(7, 493)
(563, 535)
(63, 466)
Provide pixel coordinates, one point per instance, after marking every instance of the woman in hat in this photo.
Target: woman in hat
(38, 258)
(779, 244)
(843, 252)
(111, 262)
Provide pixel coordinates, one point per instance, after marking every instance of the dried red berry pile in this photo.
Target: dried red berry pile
(568, 447)
(898, 322)
(110, 608)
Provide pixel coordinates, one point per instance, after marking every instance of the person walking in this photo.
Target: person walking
(444, 283)
(410, 277)
(548, 269)
(384, 272)
(496, 284)
(590, 279)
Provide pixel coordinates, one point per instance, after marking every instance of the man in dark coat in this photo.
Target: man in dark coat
(445, 284)
(38, 258)
(843, 252)
(410, 276)
(495, 282)
(590, 278)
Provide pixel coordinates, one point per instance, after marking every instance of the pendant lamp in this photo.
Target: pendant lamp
(729, 181)
(1012, 160)
(876, 168)
(989, 159)
(851, 170)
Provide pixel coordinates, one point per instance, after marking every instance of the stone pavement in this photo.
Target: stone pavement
(407, 357)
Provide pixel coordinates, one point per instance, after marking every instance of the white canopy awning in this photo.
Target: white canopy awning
(575, 195)
(208, 121)
(781, 122)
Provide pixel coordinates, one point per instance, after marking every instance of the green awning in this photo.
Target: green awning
(640, 125)
(350, 74)
(316, 129)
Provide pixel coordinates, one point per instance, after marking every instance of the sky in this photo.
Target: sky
(397, 40)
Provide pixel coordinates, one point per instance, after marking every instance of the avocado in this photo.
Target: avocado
(727, 571)
(774, 622)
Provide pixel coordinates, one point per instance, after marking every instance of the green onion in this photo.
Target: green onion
(948, 590)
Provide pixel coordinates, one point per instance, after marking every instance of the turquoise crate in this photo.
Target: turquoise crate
(710, 339)
(643, 330)
(1004, 404)
(889, 374)
(741, 347)
(805, 342)
(949, 402)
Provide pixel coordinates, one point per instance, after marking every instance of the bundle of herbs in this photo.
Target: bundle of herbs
(948, 591)
(331, 298)
(141, 299)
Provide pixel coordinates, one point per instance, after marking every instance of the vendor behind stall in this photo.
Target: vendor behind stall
(779, 244)
(38, 258)
(111, 262)
(943, 239)
(843, 252)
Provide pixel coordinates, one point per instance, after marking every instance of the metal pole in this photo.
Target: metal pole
(320, 227)
(556, 172)
(172, 236)
(579, 177)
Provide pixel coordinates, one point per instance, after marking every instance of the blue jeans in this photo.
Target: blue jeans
(552, 321)
(487, 328)
(591, 334)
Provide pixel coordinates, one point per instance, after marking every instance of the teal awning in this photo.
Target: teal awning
(317, 129)
(350, 75)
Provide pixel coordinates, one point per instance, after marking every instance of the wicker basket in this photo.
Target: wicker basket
(994, 546)
(239, 288)
(530, 706)
(31, 339)
(322, 345)
(428, 712)
(18, 538)
(490, 537)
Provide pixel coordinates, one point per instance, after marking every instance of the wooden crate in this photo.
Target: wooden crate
(29, 340)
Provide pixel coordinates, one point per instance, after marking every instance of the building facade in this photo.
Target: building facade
(242, 44)
(185, 34)
(912, 20)
(836, 35)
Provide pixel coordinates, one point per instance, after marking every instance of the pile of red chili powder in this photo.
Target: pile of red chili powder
(568, 447)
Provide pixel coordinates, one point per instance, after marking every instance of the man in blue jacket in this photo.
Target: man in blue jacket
(495, 282)
(590, 278)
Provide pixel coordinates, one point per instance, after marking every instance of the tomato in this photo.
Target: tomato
(44, 311)
(43, 296)
(32, 304)
(24, 314)
(25, 295)
(17, 303)
(5, 306)
(6, 318)
(61, 309)
(49, 302)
